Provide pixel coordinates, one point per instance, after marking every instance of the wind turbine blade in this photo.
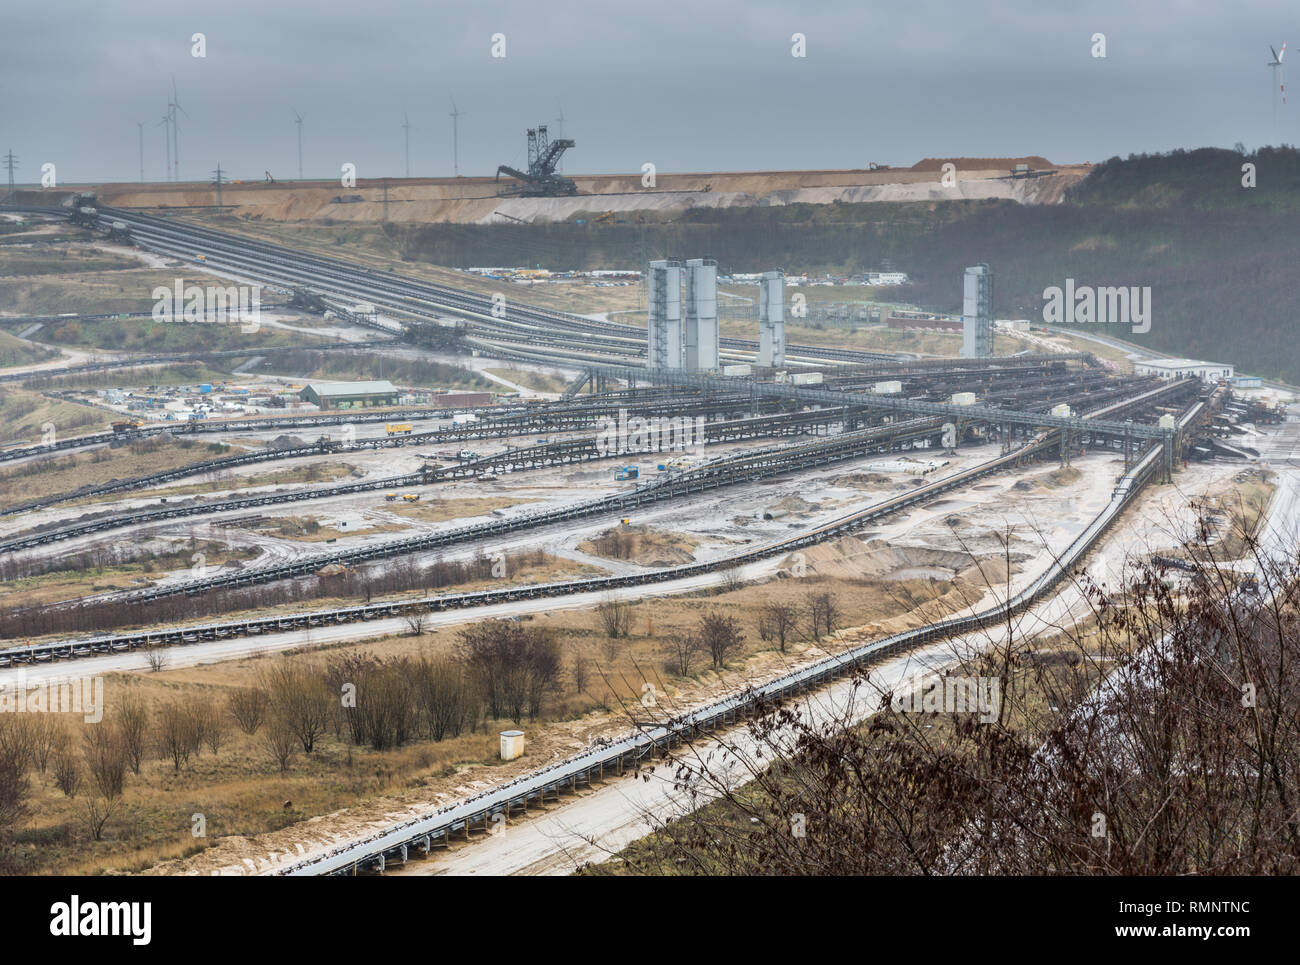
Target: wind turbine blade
(1273, 52)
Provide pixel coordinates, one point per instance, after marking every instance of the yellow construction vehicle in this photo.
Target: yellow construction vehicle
(411, 497)
(397, 428)
(390, 497)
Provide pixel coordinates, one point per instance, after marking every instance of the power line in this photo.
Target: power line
(406, 130)
(218, 180)
(11, 162)
(455, 138)
(298, 120)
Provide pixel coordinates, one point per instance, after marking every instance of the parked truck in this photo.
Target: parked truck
(397, 428)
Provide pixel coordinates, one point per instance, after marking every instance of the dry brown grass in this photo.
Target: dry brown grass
(24, 415)
(438, 510)
(241, 793)
(67, 473)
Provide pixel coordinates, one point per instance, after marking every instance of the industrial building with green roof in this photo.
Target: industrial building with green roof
(350, 395)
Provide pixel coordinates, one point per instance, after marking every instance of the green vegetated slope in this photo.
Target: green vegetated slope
(1220, 258)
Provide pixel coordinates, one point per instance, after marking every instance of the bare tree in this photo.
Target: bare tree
(47, 731)
(14, 788)
(514, 665)
(822, 613)
(446, 697)
(157, 658)
(384, 712)
(720, 636)
(247, 705)
(299, 697)
(732, 579)
(209, 724)
(415, 621)
(106, 763)
(581, 674)
(679, 650)
(132, 719)
(615, 617)
(18, 739)
(67, 772)
(177, 734)
(281, 743)
(780, 620)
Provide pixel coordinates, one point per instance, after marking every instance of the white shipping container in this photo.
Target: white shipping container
(888, 388)
(806, 378)
(736, 370)
(963, 398)
(1062, 411)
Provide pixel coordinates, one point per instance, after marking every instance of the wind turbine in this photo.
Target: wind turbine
(297, 119)
(173, 105)
(166, 124)
(455, 137)
(406, 131)
(140, 124)
(1279, 83)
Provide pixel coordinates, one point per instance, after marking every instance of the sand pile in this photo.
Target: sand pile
(851, 558)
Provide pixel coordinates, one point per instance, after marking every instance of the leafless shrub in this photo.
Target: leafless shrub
(247, 705)
(380, 708)
(106, 764)
(157, 658)
(209, 723)
(47, 729)
(14, 788)
(446, 697)
(177, 734)
(281, 743)
(18, 739)
(415, 621)
(132, 719)
(67, 772)
(300, 699)
(615, 617)
(515, 666)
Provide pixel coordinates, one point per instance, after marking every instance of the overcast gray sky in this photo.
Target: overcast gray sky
(701, 86)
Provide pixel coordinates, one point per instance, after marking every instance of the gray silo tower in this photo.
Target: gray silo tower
(977, 313)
